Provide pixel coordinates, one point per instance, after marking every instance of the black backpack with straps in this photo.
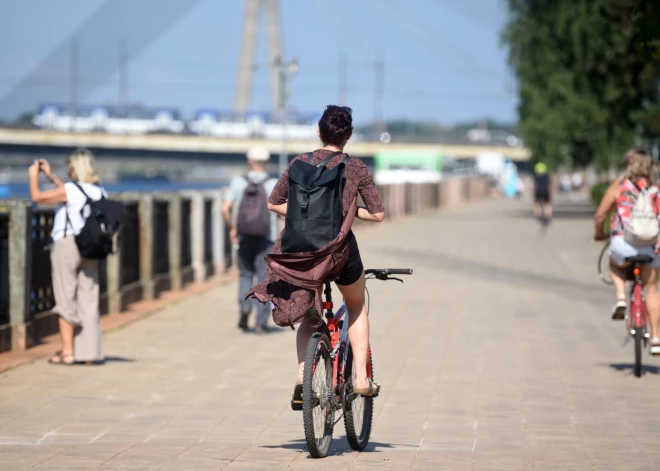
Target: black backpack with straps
(105, 218)
(253, 217)
(314, 204)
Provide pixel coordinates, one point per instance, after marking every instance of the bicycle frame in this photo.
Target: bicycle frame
(638, 315)
(337, 329)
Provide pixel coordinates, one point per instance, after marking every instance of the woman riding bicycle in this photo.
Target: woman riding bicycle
(294, 283)
(619, 201)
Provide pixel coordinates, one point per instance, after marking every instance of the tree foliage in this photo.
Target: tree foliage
(589, 73)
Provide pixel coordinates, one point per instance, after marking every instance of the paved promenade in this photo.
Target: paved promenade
(498, 354)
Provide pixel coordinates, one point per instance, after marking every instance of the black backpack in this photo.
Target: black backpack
(95, 238)
(314, 205)
(253, 218)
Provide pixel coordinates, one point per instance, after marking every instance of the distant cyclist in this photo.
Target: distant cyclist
(618, 201)
(542, 203)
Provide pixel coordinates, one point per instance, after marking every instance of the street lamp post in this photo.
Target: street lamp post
(286, 71)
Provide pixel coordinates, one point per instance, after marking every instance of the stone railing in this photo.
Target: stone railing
(168, 241)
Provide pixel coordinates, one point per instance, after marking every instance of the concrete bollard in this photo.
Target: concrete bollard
(174, 240)
(113, 270)
(146, 217)
(20, 270)
(197, 235)
(218, 232)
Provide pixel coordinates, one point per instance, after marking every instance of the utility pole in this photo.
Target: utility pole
(74, 81)
(343, 79)
(379, 90)
(246, 57)
(286, 70)
(123, 76)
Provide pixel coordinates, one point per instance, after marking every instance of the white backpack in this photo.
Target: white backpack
(643, 228)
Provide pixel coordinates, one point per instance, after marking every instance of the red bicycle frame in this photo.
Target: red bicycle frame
(638, 316)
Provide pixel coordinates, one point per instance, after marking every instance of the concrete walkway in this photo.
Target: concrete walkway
(498, 354)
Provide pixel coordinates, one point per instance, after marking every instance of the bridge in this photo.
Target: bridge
(190, 144)
(497, 354)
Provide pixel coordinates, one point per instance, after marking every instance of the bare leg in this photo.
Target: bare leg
(617, 274)
(547, 210)
(358, 329)
(537, 209)
(305, 331)
(66, 333)
(650, 280)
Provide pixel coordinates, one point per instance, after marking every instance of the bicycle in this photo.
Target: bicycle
(637, 319)
(328, 378)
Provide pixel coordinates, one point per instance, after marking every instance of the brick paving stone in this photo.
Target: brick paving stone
(498, 354)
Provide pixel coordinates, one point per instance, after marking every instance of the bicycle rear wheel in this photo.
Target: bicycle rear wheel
(638, 352)
(318, 394)
(358, 410)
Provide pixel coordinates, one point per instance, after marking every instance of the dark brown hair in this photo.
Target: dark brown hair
(336, 125)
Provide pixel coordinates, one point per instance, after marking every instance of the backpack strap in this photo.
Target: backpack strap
(89, 201)
(327, 159)
(321, 165)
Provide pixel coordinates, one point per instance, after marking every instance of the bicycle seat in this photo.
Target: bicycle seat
(639, 259)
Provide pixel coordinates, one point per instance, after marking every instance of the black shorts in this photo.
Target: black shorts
(353, 268)
(542, 197)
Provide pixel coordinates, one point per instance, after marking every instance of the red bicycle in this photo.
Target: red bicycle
(638, 318)
(328, 379)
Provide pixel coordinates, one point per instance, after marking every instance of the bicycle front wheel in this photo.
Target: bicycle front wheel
(318, 396)
(638, 352)
(358, 410)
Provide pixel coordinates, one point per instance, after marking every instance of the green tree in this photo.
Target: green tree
(585, 70)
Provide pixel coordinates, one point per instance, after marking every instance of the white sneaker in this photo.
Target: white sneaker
(655, 346)
(619, 310)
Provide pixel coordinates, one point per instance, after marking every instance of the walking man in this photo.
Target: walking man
(253, 229)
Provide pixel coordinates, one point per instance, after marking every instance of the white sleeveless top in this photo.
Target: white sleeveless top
(75, 202)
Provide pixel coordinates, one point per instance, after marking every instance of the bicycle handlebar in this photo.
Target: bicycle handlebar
(385, 272)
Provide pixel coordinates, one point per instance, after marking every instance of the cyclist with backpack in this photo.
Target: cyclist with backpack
(253, 229)
(77, 244)
(318, 196)
(633, 205)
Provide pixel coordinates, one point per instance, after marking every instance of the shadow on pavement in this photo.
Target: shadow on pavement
(338, 447)
(474, 269)
(559, 211)
(113, 359)
(650, 369)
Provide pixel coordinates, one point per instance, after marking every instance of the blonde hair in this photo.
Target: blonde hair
(639, 164)
(82, 162)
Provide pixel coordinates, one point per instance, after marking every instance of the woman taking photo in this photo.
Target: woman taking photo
(75, 279)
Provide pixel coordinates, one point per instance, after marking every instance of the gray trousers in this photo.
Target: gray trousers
(76, 290)
(251, 264)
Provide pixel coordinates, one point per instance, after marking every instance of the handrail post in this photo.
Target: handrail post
(146, 224)
(174, 240)
(197, 235)
(218, 233)
(20, 272)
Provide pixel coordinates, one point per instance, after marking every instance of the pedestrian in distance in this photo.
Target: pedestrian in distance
(253, 229)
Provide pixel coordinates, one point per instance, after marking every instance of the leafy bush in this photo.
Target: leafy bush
(597, 193)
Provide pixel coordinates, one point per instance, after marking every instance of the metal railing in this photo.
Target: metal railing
(42, 298)
(4, 269)
(185, 241)
(161, 247)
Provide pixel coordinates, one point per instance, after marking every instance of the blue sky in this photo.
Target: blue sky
(443, 59)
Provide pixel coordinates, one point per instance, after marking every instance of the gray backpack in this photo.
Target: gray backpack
(643, 228)
(253, 219)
